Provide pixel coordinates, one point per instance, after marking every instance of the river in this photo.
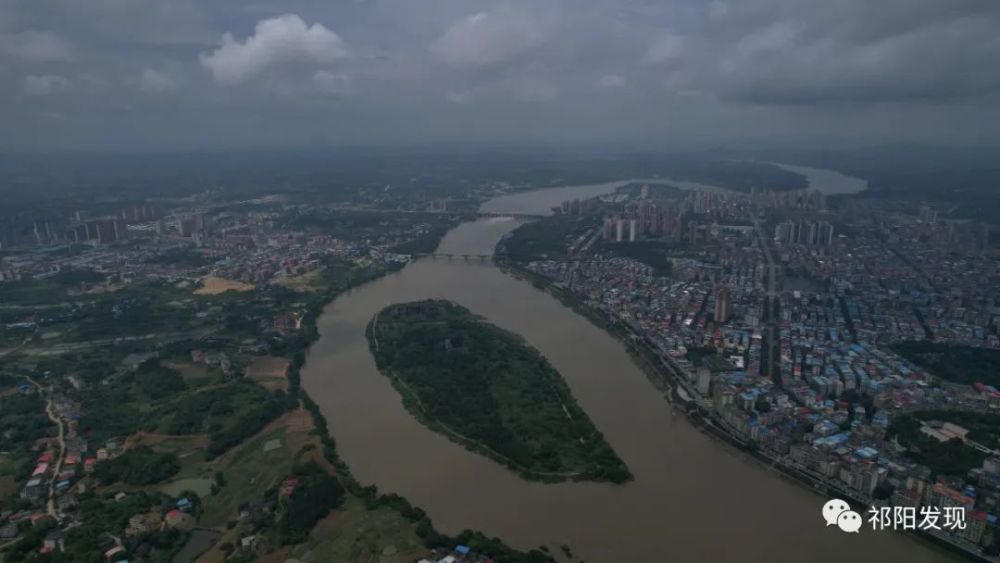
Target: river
(693, 499)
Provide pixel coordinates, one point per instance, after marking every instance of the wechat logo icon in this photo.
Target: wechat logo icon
(838, 513)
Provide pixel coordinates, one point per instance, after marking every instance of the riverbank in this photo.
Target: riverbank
(487, 390)
(424, 527)
(689, 493)
(702, 418)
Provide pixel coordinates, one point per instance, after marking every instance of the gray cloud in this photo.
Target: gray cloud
(33, 46)
(331, 82)
(44, 85)
(612, 81)
(113, 23)
(156, 81)
(488, 39)
(785, 52)
(640, 71)
(461, 97)
(667, 49)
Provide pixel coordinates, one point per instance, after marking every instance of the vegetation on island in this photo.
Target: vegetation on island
(487, 389)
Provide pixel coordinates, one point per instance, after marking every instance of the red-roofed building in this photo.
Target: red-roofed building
(942, 495)
(288, 486)
(177, 519)
(283, 323)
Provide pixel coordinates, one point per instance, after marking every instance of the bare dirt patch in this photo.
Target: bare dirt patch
(214, 285)
(294, 429)
(181, 446)
(269, 372)
(8, 486)
(98, 289)
(190, 371)
(309, 282)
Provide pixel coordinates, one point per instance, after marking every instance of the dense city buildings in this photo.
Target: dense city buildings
(828, 378)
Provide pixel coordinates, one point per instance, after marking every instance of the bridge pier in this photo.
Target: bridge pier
(453, 256)
(526, 216)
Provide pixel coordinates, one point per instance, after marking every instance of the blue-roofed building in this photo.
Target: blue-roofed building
(832, 441)
(881, 418)
(866, 453)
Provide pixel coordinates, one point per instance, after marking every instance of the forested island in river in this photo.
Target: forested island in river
(486, 389)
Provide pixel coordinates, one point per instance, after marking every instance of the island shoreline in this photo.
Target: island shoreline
(369, 494)
(411, 402)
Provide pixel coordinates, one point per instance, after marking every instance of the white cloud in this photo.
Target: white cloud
(331, 82)
(610, 81)
(156, 82)
(44, 84)
(667, 49)
(276, 41)
(34, 47)
(487, 39)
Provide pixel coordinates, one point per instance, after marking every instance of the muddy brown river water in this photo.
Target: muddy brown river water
(693, 499)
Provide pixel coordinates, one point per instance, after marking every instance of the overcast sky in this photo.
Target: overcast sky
(223, 73)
